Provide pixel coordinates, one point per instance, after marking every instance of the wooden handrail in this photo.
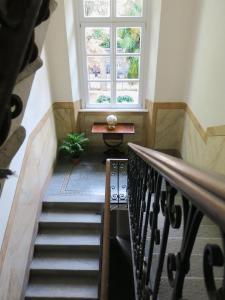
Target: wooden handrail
(206, 190)
(106, 238)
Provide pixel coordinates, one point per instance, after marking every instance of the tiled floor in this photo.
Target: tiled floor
(85, 178)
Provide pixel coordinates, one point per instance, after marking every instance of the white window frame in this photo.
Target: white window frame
(113, 23)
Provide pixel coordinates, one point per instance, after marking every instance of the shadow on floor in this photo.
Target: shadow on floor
(121, 276)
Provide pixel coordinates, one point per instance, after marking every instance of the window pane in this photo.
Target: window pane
(98, 67)
(127, 67)
(127, 92)
(97, 8)
(97, 40)
(129, 8)
(128, 39)
(99, 92)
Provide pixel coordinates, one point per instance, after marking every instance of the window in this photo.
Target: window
(112, 34)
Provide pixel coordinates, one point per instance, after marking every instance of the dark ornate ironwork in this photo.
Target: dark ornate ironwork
(150, 196)
(214, 257)
(18, 49)
(118, 182)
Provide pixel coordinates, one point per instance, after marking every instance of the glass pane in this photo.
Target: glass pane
(97, 8)
(99, 92)
(98, 67)
(127, 67)
(97, 40)
(129, 8)
(127, 92)
(128, 39)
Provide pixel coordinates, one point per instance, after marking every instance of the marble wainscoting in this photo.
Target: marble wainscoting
(36, 169)
(205, 149)
(165, 124)
(169, 129)
(66, 118)
(138, 118)
(150, 123)
(172, 125)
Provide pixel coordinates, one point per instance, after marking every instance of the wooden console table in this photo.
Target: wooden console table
(116, 135)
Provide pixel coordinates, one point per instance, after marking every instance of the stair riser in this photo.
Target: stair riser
(66, 252)
(55, 298)
(72, 248)
(97, 207)
(62, 225)
(67, 273)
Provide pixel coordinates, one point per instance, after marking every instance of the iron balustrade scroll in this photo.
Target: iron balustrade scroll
(154, 182)
(118, 181)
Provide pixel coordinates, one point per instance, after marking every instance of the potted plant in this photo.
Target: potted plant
(74, 144)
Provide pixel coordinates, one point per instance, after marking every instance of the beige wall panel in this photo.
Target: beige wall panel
(169, 129)
(37, 165)
(77, 107)
(150, 124)
(208, 154)
(64, 122)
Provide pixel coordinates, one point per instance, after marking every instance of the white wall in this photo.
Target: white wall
(38, 104)
(71, 34)
(207, 87)
(190, 63)
(58, 58)
(176, 42)
(152, 34)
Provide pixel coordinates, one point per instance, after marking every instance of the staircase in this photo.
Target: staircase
(66, 257)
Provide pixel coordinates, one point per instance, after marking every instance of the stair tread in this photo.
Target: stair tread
(67, 217)
(56, 287)
(64, 260)
(51, 236)
(79, 198)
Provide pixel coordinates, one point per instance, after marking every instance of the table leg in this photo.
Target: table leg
(113, 152)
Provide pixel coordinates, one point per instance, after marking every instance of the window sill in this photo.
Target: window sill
(116, 110)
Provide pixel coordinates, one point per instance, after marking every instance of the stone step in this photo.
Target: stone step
(77, 198)
(58, 217)
(61, 287)
(75, 260)
(196, 267)
(193, 288)
(174, 245)
(68, 237)
(65, 204)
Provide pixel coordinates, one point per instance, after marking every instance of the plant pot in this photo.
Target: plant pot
(75, 160)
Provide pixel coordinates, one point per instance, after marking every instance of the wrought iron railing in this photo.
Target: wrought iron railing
(154, 182)
(118, 181)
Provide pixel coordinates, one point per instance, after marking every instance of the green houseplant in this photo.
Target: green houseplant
(74, 144)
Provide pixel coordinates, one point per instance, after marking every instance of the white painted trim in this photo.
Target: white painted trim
(141, 110)
(111, 22)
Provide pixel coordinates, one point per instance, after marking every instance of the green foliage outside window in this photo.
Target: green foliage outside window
(103, 99)
(103, 37)
(125, 99)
